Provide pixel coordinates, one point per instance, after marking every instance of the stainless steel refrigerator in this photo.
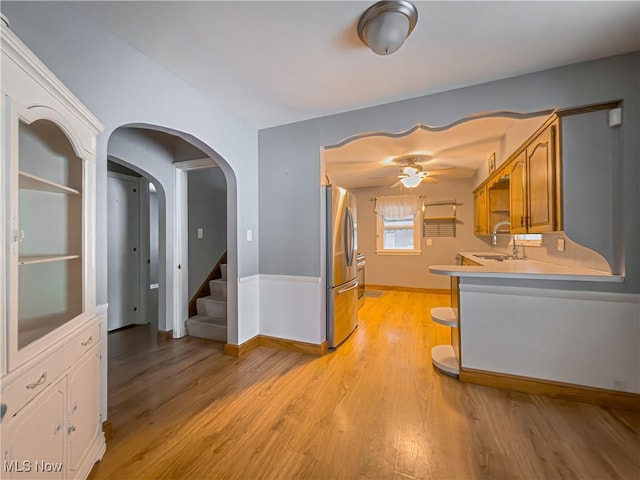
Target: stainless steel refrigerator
(342, 284)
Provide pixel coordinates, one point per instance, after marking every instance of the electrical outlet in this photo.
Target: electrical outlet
(561, 244)
(429, 242)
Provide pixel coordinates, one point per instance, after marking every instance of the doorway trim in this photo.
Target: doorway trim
(181, 240)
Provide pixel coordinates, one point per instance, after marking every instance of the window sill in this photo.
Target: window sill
(398, 252)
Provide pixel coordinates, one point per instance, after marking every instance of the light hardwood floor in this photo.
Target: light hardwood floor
(375, 409)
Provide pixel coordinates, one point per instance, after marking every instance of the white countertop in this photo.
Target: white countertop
(522, 269)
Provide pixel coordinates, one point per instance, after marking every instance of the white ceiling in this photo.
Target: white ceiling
(273, 63)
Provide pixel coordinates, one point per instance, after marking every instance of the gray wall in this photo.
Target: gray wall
(591, 174)
(412, 270)
(207, 198)
(290, 155)
(289, 197)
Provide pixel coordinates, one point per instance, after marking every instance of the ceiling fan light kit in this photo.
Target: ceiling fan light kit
(412, 173)
(411, 181)
(385, 25)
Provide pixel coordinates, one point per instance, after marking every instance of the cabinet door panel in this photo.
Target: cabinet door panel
(33, 443)
(517, 195)
(84, 407)
(541, 164)
(481, 211)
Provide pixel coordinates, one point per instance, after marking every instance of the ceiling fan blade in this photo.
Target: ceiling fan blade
(442, 171)
(395, 184)
(386, 176)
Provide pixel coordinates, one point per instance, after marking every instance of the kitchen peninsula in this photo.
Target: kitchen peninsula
(521, 328)
(521, 268)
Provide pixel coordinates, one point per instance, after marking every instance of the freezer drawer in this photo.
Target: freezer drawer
(342, 311)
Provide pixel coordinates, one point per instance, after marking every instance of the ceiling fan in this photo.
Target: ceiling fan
(413, 174)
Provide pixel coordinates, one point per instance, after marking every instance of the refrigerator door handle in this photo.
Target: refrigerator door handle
(355, 285)
(349, 232)
(353, 237)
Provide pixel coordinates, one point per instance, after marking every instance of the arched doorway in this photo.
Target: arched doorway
(156, 151)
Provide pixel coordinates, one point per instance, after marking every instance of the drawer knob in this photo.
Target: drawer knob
(41, 380)
(88, 341)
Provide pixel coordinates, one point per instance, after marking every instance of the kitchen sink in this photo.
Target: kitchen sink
(495, 256)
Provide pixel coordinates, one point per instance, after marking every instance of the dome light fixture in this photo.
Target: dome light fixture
(385, 25)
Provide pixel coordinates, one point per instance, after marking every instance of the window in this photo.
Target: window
(398, 224)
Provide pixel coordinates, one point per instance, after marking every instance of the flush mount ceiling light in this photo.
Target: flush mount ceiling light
(385, 25)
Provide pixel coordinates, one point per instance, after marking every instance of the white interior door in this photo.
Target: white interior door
(123, 251)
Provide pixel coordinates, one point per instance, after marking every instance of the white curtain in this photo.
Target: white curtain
(398, 206)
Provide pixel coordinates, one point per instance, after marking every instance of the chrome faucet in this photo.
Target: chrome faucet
(494, 240)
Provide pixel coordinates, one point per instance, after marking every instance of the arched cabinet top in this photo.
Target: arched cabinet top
(36, 113)
(36, 93)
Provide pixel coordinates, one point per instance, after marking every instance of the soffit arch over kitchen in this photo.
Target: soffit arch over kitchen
(366, 159)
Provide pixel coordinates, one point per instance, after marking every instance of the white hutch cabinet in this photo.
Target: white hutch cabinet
(50, 333)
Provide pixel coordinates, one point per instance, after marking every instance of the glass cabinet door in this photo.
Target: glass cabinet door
(49, 231)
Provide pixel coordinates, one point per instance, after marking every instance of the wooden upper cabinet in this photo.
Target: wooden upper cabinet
(526, 191)
(480, 210)
(533, 191)
(517, 194)
(541, 165)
